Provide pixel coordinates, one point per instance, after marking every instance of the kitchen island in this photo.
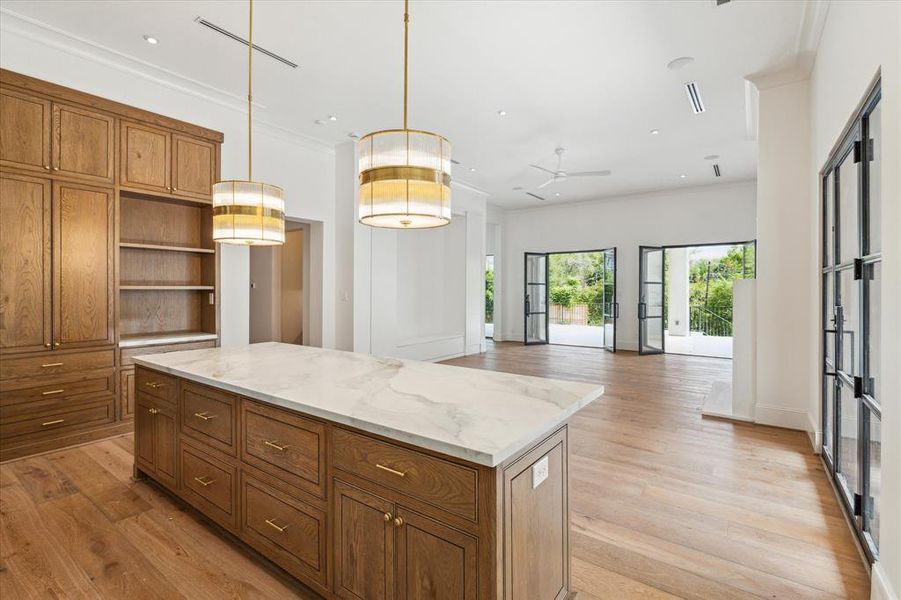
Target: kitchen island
(367, 477)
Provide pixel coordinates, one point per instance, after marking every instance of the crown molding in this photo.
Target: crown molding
(42, 33)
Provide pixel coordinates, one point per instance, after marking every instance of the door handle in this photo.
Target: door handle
(642, 310)
(616, 310)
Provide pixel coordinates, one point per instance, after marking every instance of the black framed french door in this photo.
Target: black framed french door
(851, 321)
(535, 302)
(650, 300)
(611, 306)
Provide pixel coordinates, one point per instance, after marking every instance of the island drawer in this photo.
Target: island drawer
(156, 384)
(210, 485)
(449, 486)
(285, 445)
(55, 363)
(208, 415)
(287, 530)
(31, 395)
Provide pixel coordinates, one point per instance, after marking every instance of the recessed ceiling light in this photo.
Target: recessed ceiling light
(711, 157)
(682, 176)
(472, 169)
(332, 118)
(502, 113)
(556, 193)
(319, 122)
(151, 40)
(679, 63)
(655, 131)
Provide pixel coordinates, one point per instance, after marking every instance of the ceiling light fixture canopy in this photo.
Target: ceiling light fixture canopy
(248, 212)
(404, 174)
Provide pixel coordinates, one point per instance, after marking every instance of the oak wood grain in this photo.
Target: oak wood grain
(25, 124)
(145, 157)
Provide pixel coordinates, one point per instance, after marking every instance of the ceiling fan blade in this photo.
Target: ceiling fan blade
(547, 183)
(588, 174)
(542, 169)
(535, 196)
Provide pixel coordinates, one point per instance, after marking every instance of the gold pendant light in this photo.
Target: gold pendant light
(404, 173)
(248, 212)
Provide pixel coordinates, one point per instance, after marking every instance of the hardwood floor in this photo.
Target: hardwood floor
(668, 504)
(665, 504)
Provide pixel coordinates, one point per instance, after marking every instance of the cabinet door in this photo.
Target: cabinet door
(145, 157)
(83, 143)
(164, 453)
(24, 131)
(434, 562)
(83, 261)
(144, 419)
(193, 167)
(126, 394)
(25, 307)
(364, 544)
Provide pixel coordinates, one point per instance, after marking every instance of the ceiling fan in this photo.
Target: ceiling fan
(560, 175)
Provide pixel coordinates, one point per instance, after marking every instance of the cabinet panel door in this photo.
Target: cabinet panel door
(434, 562)
(145, 157)
(193, 167)
(83, 143)
(24, 131)
(25, 307)
(83, 261)
(164, 433)
(144, 418)
(126, 393)
(364, 544)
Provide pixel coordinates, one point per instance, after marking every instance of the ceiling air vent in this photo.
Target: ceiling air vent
(534, 196)
(694, 96)
(721, 2)
(238, 38)
(716, 170)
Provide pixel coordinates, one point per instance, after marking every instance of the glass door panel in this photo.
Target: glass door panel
(874, 181)
(874, 451)
(873, 282)
(848, 185)
(611, 306)
(849, 324)
(650, 300)
(847, 461)
(828, 221)
(535, 303)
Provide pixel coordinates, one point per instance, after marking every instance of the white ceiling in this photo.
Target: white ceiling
(590, 76)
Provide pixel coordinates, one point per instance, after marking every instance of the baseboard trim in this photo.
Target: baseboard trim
(814, 434)
(778, 416)
(880, 587)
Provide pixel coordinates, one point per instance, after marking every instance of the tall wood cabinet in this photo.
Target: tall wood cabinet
(105, 234)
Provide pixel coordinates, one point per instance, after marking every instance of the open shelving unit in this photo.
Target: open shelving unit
(167, 271)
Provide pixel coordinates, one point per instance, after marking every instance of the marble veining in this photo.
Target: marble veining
(481, 416)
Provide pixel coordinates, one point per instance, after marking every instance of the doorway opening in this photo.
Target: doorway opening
(571, 298)
(489, 296)
(278, 295)
(686, 297)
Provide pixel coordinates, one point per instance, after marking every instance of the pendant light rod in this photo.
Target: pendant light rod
(406, 53)
(250, 96)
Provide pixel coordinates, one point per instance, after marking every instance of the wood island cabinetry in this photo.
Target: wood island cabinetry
(105, 228)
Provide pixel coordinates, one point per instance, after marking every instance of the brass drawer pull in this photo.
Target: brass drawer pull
(51, 392)
(271, 523)
(48, 365)
(204, 416)
(274, 445)
(56, 422)
(154, 384)
(204, 481)
(390, 470)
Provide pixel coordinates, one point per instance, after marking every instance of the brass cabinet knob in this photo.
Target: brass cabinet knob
(398, 521)
(57, 344)
(153, 411)
(47, 167)
(47, 345)
(387, 517)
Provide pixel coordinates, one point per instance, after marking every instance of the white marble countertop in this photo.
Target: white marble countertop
(481, 416)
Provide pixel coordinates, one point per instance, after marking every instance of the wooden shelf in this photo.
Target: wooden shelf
(136, 340)
(166, 287)
(164, 247)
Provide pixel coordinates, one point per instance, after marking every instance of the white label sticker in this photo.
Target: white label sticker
(539, 471)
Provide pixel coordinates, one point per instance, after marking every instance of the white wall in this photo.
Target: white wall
(699, 215)
(859, 39)
(305, 169)
(677, 292)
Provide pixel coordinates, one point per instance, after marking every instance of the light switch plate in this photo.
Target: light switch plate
(539, 471)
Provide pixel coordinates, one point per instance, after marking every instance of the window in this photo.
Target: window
(851, 276)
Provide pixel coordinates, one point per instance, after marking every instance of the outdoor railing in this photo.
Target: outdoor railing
(707, 321)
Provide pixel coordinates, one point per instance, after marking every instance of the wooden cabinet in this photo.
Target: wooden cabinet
(25, 308)
(126, 393)
(83, 265)
(145, 157)
(83, 143)
(157, 160)
(155, 438)
(364, 544)
(24, 131)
